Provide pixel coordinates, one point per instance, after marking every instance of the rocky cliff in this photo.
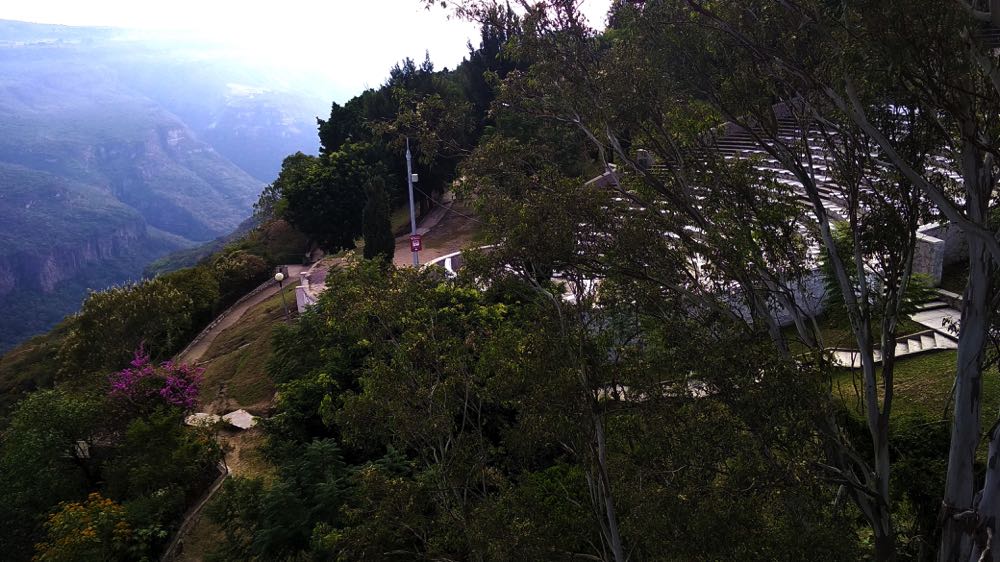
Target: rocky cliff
(45, 269)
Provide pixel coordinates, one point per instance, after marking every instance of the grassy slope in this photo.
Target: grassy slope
(236, 363)
(31, 365)
(837, 334)
(923, 385)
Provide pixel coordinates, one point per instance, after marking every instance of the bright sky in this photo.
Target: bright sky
(351, 43)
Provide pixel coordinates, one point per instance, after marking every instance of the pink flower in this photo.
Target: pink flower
(175, 384)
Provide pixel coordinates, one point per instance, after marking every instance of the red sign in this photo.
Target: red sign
(415, 243)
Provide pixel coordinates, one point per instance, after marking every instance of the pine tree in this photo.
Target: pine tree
(377, 227)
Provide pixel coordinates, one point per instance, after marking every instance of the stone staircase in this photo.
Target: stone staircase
(739, 143)
(920, 342)
(939, 315)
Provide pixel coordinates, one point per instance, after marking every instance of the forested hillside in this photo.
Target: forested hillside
(103, 375)
(626, 366)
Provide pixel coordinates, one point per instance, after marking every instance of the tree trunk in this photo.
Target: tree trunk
(885, 540)
(956, 540)
(988, 506)
(956, 537)
(604, 495)
(878, 426)
(885, 534)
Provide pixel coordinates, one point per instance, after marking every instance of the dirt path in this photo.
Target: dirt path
(446, 231)
(194, 353)
(455, 230)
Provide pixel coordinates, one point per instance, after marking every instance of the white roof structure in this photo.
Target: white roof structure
(241, 419)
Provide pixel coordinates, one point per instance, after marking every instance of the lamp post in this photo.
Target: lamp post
(279, 277)
(413, 216)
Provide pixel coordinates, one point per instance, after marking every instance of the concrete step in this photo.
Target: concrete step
(942, 341)
(938, 319)
(932, 305)
(927, 341)
(921, 342)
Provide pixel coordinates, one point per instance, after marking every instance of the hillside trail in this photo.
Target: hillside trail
(445, 230)
(230, 317)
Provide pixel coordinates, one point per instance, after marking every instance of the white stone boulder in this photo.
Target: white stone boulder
(202, 419)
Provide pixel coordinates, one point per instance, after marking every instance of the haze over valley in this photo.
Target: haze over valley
(117, 148)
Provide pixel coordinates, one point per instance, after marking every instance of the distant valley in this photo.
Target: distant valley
(115, 151)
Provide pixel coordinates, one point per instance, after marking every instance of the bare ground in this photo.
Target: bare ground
(457, 230)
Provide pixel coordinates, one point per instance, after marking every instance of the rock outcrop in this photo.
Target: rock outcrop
(45, 269)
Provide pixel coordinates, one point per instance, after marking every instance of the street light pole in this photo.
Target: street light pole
(279, 277)
(413, 216)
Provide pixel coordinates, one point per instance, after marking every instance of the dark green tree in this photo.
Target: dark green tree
(379, 242)
(42, 463)
(489, 425)
(114, 323)
(325, 195)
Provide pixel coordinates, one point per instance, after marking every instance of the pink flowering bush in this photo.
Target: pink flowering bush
(173, 383)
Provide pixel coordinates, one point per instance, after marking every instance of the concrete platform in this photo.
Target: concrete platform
(943, 320)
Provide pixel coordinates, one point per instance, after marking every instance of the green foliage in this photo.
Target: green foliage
(324, 196)
(42, 464)
(62, 445)
(379, 241)
(467, 432)
(919, 289)
(162, 314)
(920, 462)
(113, 323)
(238, 272)
(161, 458)
(236, 508)
(202, 286)
(276, 522)
(30, 366)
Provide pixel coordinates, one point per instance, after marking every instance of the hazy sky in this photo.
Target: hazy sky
(351, 43)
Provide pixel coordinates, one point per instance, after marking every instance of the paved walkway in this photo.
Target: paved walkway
(942, 319)
(445, 230)
(193, 353)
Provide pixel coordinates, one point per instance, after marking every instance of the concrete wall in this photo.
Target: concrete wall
(929, 257)
(303, 298)
(809, 294)
(956, 249)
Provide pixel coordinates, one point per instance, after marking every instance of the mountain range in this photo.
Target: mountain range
(117, 148)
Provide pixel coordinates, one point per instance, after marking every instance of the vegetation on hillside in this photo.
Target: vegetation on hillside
(608, 378)
(438, 420)
(574, 102)
(109, 437)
